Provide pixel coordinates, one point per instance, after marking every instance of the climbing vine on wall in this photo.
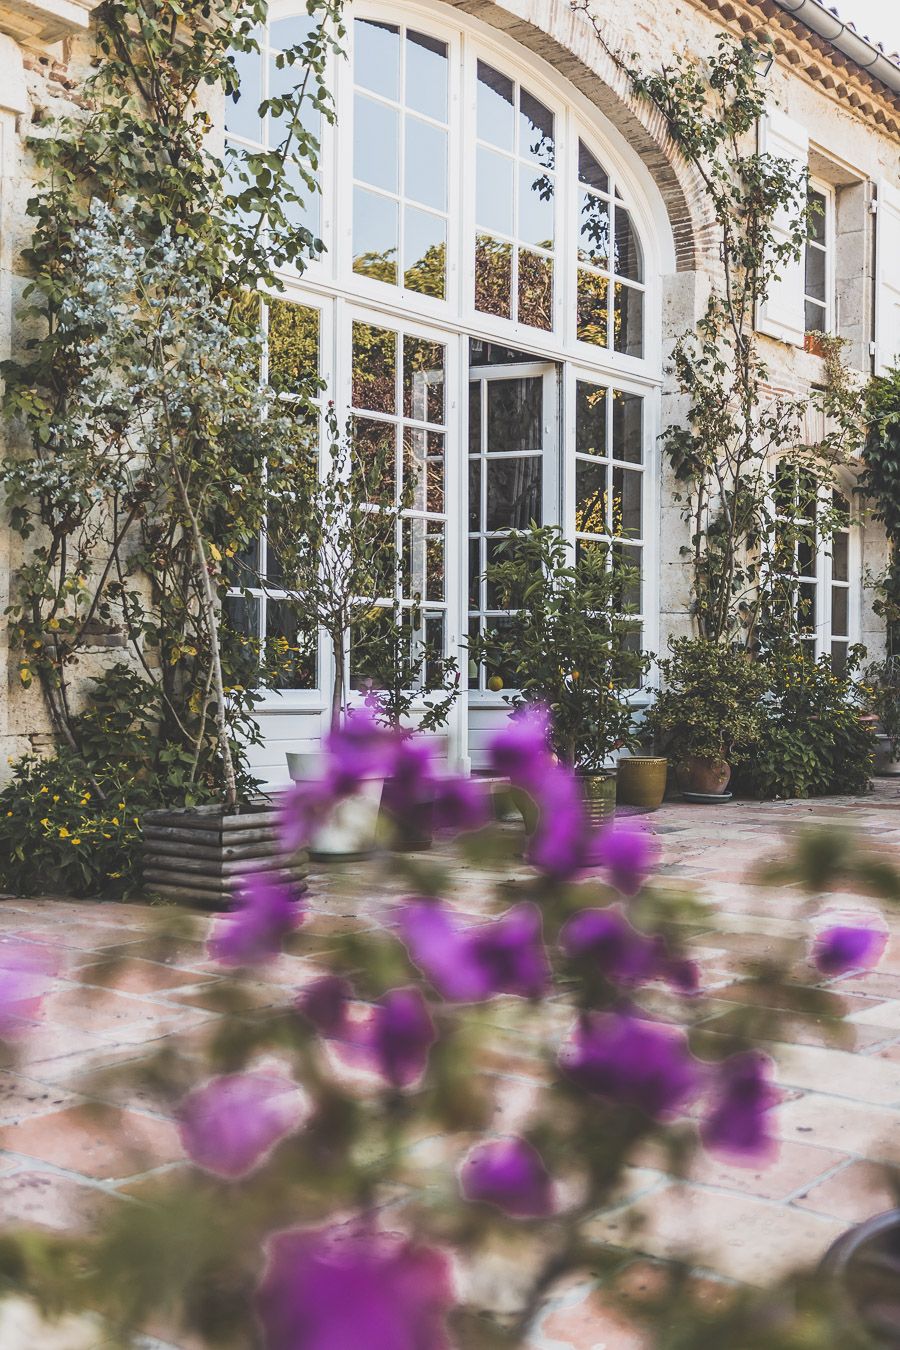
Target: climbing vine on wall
(137, 425)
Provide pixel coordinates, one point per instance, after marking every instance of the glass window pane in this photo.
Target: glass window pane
(375, 444)
(592, 308)
(817, 216)
(375, 236)
(426, 164)
(815, 273)
(593, 245)
(497, 596)
(535, 207)
(284, 33)
(493, 276)
(242, 615)
(291, 647)
(496, 112)
(434, 562)
(513, 492)
(426, 75)
(815, 317)
(475, 571)
(629, 321)
(293, 346)
(514, 415)
(424, 252)
(840, 557)
(536, 130)
(435, 475)
(627, 560)
(590, 170)
(494, 191)
(626, 503)
(376, 57)
(840, 610)
(414, 468)
(423, 379)
(535, 290)
(374, 368)
(806, 607)
(474, 494)
(376, 143)
(628, 259)
(242, 113)
(590, 497)
(839, 657)
(590, 419)
(474, 417)
(436, 642)
(627, 427)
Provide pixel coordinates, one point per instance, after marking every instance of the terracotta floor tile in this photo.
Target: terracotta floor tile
(21, 1098)
(832, 1122)
(588, 1319)
(733, 1235)
(104, 1143)
(854, 1193)
(47, 1200)
(791, 1166)
(139, 976)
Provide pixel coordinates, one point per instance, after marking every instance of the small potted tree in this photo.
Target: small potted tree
(336, 539)
(568, 643)
(706, 713)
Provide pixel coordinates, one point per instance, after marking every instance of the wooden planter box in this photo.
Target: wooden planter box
(198, 854)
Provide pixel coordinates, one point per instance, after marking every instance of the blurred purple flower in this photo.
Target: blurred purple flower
(230, 1124)
(324, 1002)
(505, 956)
(353, 1289)
(408, 791)
(559, 844)
(842, 948)
(520, 751)
(510, 1174)
(743, 1095)
(400, 1036)
(265, 912)
(683, 973)
(638, 1064)
(301, 810)
(359, 749)
(615, 949)
(627, 851)
(459, 804)
(25, 972)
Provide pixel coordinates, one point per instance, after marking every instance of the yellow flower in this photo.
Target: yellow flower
(63, 833)
(43, 790)
(76, 841)
(115, 820)
(9, 813)
(45, 822)
(56, 796)
(121, 806)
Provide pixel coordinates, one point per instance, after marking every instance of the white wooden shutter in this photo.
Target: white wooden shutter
(887, 278)
(782, 313)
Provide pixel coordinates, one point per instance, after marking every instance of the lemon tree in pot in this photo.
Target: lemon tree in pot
(706, 712)
(568, 642)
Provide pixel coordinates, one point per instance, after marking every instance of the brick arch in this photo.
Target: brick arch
(567, 40)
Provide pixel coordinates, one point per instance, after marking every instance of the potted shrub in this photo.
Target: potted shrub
(568, 643)
(706, 712)
(883, 679)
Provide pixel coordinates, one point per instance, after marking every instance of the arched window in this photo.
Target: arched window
(487, 305)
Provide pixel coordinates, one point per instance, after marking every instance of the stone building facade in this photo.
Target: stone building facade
(523, 396)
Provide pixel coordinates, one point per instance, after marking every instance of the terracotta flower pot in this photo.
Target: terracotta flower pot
(641, 781)
(702, 775)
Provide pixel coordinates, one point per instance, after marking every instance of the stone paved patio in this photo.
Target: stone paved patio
(839, 1117)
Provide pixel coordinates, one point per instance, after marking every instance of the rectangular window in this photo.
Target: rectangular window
(819, 262)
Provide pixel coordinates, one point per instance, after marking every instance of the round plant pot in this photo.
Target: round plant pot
(864, 1268)
(641, 781)
(709, 777)
(351, 827)
(599, 791)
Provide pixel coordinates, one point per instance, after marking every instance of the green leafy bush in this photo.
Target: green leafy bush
(708, 705)
(812, 740)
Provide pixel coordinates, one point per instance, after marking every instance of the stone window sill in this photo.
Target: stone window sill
(44, 20)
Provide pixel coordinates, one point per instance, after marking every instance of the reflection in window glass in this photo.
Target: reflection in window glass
(374, 368)
(400, 232)
(514, 202)
(627, 427)
(816, 268)
(610, 255)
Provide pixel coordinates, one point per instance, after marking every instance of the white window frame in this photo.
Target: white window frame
(331, 285)
(829, 248)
